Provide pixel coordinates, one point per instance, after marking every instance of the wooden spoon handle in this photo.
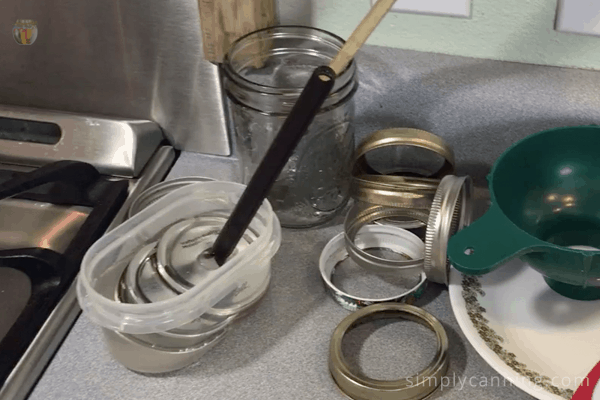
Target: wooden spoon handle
(224, 21)
(360, 35)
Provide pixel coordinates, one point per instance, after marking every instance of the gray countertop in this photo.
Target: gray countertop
(280, 351)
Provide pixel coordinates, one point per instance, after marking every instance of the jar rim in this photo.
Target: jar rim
(348, 73)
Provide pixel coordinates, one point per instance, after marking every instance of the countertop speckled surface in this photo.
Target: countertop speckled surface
(280, 351)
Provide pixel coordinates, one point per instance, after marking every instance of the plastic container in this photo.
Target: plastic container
(161, 189)
(129, 328)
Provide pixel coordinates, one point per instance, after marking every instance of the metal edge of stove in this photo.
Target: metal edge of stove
(115, 146)
(29, 368)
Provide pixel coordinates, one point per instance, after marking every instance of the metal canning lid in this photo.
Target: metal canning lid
(451, 210)
(141, 283)
(155, 192)
(180, 249)
(243, 298)
(180, 252)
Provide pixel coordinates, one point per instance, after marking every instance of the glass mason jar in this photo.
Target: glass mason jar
(264, 74)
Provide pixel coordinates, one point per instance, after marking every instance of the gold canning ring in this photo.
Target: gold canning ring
(401, 182)
(451, 210)
(404, 137)
(395, 191)
(416, 387)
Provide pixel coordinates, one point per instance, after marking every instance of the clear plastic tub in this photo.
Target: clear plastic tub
(104, 264)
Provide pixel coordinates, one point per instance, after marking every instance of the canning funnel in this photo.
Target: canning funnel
(545, 193)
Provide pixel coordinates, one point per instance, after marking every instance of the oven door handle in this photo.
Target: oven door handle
(76, 173)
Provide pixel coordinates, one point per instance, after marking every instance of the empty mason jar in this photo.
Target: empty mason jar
(264, 74)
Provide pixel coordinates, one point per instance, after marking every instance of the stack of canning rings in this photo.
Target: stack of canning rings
(387, 206)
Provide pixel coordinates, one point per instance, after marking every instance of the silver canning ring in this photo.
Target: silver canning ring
(335, 252)
(451, 210)
(163, 251)
(134, 269)
(240, 309)
(209, 224)
(184, 338)
(400, 223)
(360, 387)
(357, 218)
(130, 290)
(180, 345)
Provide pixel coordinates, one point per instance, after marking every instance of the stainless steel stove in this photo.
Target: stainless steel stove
(65, 179)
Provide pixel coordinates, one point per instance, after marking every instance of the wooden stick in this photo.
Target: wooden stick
(360, 35)
(224, 21)
(207, 24)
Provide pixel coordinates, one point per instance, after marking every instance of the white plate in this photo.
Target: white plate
(538, 340)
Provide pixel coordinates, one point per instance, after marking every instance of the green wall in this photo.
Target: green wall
(507, 30)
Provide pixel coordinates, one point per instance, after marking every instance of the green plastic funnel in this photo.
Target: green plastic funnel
(545, 193)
